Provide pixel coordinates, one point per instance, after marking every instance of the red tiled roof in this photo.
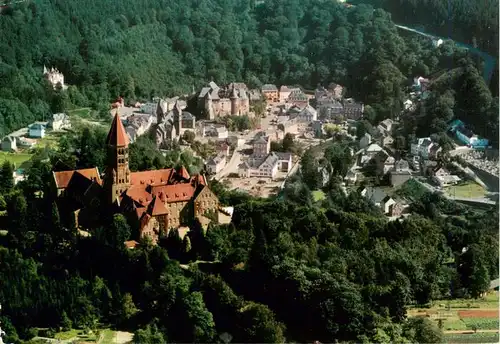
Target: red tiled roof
(131, 244)
(150, 177)
(139, 194)
(199, 179)
(183, 173)
(62, 178)
(117, 135)
(174, 193)
(157, 207)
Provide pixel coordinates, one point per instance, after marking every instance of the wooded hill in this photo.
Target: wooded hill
(155, 48)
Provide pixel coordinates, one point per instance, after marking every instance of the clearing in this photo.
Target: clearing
(466, 190)
(463, 314)
(20, 160)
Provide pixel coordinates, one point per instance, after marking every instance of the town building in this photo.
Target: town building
(466, 136)
(217, 101)
(54, 76)
(444, 178)
(386, 126)
(59, 121)
(271, 93)
(425, 148)
(137, 125)
(365, 141)
(9, 144)
(353, 110)
(266, 167)
(298, 98)
(307, 114)
(222, 147)
(173, 124)
(216, 164)
(401, 173)
(285, 92)
(158, 200)
(36, 130)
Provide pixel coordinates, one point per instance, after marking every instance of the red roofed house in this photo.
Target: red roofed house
(160, 200)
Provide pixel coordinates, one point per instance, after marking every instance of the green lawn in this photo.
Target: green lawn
(108, 337)
(20, 160)
(472, 338)
(67, 334)
(466, 190)
(453, 324)
(318, 195)
(82, 113)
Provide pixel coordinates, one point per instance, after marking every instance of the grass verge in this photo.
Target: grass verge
(20, 160)
(472, 338)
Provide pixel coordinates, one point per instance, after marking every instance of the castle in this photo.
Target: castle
(218, 101)
(54, 76)
(171, 125)
(157, 201)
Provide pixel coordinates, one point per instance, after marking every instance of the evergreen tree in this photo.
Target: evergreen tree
(6, 177)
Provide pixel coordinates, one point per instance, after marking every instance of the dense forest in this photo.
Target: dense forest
(470, 22)
(159, 48)
(286, 269)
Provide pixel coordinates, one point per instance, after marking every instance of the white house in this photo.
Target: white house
(9, 144)
(216, 164)
(444, 178)
(59, 121)
(425, 148)
(36, 130)
(385, 127)
(267, 167)
(222, 132)
(365, 141)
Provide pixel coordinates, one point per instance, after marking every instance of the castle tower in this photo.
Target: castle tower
(245, 102)
(208, 107)
(117, 179)
(177, 110)
(160, 112)
(234, 102)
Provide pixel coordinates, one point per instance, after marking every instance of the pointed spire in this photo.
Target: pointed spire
(45, 71)
(117, 135)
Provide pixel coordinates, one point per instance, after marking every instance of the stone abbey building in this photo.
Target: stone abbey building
(159, 200)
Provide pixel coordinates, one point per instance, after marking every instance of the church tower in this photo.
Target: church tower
(117, 179)
(234, 103)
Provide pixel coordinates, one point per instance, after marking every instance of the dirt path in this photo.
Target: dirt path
(469, 331)
(123, 337)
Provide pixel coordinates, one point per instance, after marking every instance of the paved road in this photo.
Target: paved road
(231, 166)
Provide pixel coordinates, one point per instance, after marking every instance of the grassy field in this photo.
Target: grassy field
(20, 160)
(67, 334)
(462, 315)
(472, 338)
(108, 337)
(318, 195)
(481, 323)
(466, 190)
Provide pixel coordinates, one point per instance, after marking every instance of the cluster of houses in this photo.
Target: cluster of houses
(263, 163)
(25, 139)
